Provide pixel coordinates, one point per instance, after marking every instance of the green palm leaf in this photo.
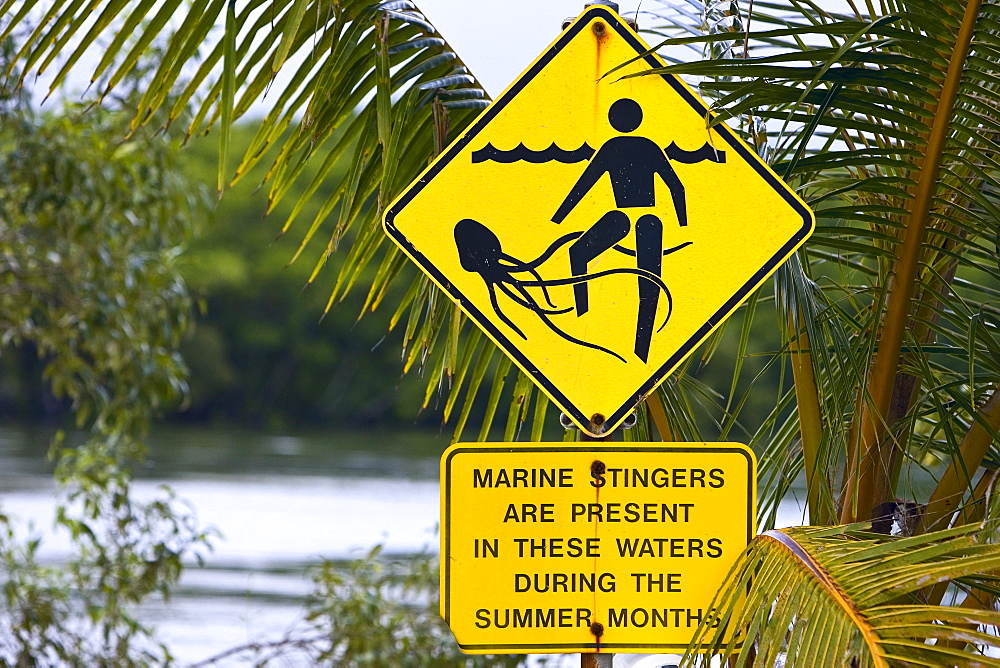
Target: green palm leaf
(843, 105)
(372, 84)
(859, 112)
(813, 596)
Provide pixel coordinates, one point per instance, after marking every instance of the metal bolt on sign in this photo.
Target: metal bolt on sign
(632, 22)
(566, 423)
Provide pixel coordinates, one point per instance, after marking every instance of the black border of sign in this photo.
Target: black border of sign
(624, 447)
(699, 336)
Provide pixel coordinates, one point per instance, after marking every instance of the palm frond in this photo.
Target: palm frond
(371, 84)
(887, 125)
(840, 596)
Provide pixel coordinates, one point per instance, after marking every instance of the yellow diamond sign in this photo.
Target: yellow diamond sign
(594, 225)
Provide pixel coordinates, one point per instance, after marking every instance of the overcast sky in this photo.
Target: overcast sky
(498, 39)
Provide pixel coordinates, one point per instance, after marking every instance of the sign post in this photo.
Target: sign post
(598, 225)
(598, 659)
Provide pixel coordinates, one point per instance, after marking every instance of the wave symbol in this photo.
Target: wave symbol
(551, 154)
(706, 152)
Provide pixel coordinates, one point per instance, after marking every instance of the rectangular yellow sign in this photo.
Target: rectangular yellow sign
(554, 547)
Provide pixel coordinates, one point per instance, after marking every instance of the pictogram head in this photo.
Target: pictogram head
(625, 115)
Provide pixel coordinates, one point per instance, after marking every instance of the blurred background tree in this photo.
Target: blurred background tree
(265, 350)
(259, 350)
(92, 303)
(262, 352)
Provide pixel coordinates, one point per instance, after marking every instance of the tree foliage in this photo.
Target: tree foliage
(261, 352)
(83, 611)
(93, 226)
(886, 124)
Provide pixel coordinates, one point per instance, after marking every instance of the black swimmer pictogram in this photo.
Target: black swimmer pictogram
(632, 162)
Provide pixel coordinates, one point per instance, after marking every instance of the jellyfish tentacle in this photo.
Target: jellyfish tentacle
(480, 252)
(623, 250)
(520, 267)
(575, 340)
(573, 280)
(666, 251)
(674, 249)
(553, 247)
(545, 290)
(501, 314)
(670, 311)
(528, 301)
(642, 273)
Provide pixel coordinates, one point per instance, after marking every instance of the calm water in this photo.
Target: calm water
(282, 504)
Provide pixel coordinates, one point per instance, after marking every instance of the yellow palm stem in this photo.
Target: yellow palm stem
(659, 415)
(810, 423)
(972, 512)
(975, 510)
(957, 479)
(847, 503)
